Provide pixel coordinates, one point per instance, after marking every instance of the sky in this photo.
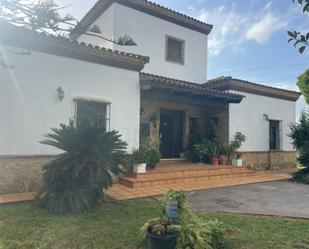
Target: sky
(248, 41)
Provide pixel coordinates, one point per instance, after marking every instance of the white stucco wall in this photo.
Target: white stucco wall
(149, 33)
(106, 24)
(29, 103)
(247, 117)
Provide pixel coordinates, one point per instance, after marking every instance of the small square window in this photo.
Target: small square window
(175, 50)
(95, 113)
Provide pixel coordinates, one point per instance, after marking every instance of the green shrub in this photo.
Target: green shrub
(199, 149)
(153, 157)
(236, 143)
(216, 230)
(179, 196)
(152, 153)
(195, 232)
(300, 136)
(74, 182)
(139, 156)
(302, 176)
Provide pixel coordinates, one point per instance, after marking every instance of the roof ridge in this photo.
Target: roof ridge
(176, 12)
(160, 11)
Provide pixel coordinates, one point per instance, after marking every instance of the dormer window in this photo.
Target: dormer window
(175, 50)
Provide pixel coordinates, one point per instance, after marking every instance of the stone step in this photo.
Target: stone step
(172, 161)
(140, 183)
(170, 173)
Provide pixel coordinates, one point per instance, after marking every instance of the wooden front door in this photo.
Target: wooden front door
(171, 133)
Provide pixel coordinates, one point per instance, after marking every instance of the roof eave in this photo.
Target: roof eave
(158, 81)
(145, 6)
(229, 83)
(20, 37)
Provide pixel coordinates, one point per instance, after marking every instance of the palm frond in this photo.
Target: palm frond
(69, 181)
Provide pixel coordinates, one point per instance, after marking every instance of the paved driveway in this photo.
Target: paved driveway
(273, 198)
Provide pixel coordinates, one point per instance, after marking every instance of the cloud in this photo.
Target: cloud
(262, 30)
(227, 28)
(234, 26)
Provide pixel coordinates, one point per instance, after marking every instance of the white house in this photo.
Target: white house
(162, 93)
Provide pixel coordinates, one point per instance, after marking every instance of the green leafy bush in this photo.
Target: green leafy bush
(216, 230)
(152, 153)
(302, 176)
(300, 136)
(74, 182)
(199, 149)
(179, 196)
(236, 143)
(195, 232)
(139, 156)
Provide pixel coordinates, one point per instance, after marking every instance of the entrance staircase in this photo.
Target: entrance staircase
(185, 176)
(181, 172)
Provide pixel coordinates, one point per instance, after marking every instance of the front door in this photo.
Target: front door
(171, 133)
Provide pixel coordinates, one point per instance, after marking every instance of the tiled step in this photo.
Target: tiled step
(187, 172)
(177, 179)
(172, 161)
(121, 192)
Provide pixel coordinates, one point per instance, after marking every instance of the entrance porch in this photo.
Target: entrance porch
(172, 112)
(180, 175)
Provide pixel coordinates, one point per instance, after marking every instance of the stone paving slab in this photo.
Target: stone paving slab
(280, 198)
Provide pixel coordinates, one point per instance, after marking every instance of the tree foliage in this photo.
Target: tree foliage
(74, 182)
(300, 136)
(303, 84)
(44, 16)
(300, 40)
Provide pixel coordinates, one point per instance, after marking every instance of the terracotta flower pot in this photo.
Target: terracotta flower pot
(214, 161)
(223, 160)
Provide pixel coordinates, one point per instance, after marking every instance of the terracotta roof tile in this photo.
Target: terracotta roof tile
(225, 83)
(199, 88)
(144, 6)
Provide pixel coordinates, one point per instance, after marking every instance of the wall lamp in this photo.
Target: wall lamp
(266, 116)
(60, 93)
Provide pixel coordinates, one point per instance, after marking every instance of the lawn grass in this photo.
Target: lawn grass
(23, 226)
(260, 232)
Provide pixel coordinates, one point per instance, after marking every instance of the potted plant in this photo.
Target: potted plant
(238, 140)
(199, 150)
(139, 159)
(161, 233)
(237, 161)
(152, 153)
(223, 155)
(213, 152)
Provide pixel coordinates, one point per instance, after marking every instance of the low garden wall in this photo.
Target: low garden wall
(23, 173)
(269, 159)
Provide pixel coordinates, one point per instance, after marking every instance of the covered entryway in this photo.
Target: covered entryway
(173, 112)
(171, 133)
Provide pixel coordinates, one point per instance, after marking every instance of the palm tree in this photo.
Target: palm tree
(75, 180)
